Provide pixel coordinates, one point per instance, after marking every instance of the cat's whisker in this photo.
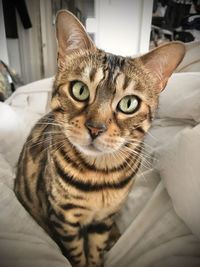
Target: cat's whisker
(41, 134)
(129, 138)
(135, 141)
(139, 172)
(40, 142)
(125, 156)
(53, 145)
(49, 149)
(144, 162)
(121, 154)
(50, 124)
(45, 137)
(148, 154)
(152, 136)
(32, 142)
(58, 126)
(143, 152)
(145, 158)
(58, 145)
(49, 132)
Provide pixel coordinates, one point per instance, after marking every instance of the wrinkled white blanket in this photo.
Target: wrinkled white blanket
(160, 223)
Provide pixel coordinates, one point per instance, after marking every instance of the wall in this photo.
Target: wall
(123, 27)
(3, 44)
(24, 53)
(48, 39)
(30, 44)
(14, 54)
(33, 54)
(86, 7)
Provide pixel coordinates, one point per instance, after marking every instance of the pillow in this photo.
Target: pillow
(15, 125)
(181, 97)
(35, 96)
(191, 61)
(22, 241)
(179, 167)
(19, 113)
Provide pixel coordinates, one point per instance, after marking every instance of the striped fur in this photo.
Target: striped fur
(69, 182)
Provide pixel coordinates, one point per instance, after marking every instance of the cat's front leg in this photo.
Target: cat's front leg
(74, 249)
(98, 238)
(68, 235)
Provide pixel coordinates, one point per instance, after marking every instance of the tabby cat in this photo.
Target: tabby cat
(79, 161)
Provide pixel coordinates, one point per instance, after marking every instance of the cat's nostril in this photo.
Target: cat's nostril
(95, 129)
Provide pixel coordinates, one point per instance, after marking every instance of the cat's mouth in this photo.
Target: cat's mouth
(95, 147)
(90, 149)
(95, 150)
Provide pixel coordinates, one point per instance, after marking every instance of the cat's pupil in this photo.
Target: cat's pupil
(129, 103)
(81, 90)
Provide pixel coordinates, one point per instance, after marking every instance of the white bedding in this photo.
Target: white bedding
(160, 223)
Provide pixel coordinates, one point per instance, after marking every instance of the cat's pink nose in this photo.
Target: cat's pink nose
(95, 129)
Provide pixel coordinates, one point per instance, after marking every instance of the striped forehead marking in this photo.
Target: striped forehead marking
(94, 75)
(124, 83)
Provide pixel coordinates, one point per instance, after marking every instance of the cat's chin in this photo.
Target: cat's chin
(90, 150)
(94, 151)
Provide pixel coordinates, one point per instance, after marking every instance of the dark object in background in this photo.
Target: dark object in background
(2, 98)
(9, 10)
(174, 22)
(191, 22)
(9, 81)
(197, 5)
(176, 11)
(182, 36)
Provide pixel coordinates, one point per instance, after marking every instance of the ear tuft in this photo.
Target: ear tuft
(71, 34)
(162, 61)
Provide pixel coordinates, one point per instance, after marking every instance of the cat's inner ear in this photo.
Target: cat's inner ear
(71, 34)
(162, 61)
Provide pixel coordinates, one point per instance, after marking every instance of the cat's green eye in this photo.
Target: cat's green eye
(128, 104)
(80, 91)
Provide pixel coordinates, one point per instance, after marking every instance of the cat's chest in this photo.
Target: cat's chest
(99, 193)
(107, 201)
(102, 203)
(97, 204)
(96, 193)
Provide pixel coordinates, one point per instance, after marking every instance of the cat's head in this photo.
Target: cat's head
(103, 101)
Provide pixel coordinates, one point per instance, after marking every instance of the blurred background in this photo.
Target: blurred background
(124, 27)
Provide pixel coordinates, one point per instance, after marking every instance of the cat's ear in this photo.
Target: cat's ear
(162, 61)
(71, 34)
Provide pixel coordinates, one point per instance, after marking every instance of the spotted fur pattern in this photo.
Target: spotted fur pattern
(71, 183)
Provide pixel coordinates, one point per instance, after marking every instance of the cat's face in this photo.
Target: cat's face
(104, 102)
